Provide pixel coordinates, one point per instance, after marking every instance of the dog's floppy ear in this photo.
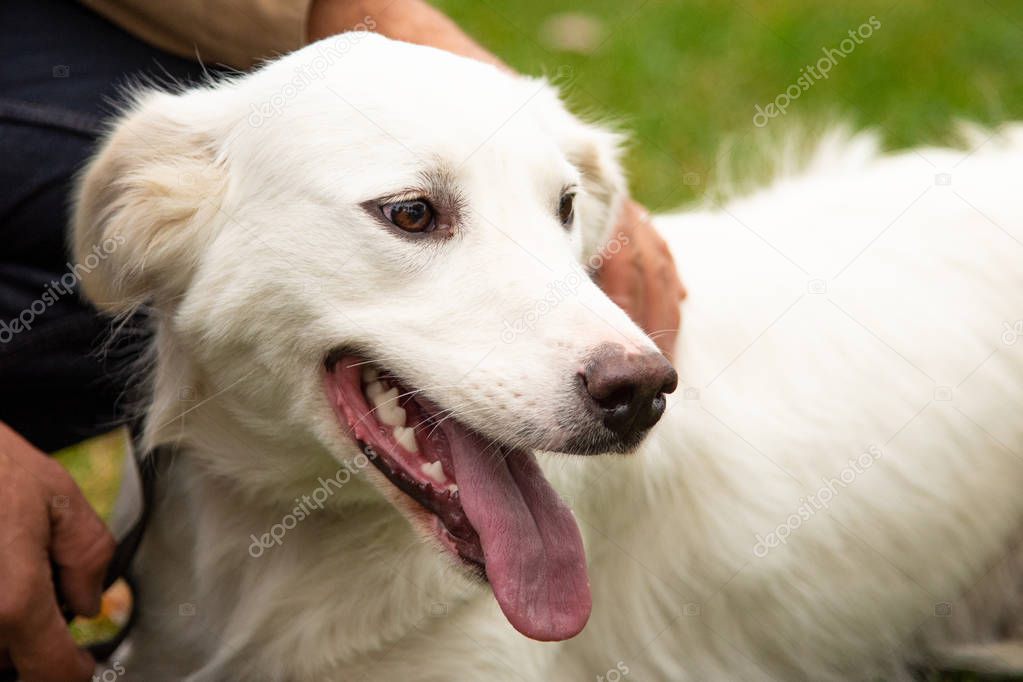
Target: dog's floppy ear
(146, 202)
(595, 152)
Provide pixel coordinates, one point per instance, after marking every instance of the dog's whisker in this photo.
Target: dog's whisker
(453, 415)
(449, 413)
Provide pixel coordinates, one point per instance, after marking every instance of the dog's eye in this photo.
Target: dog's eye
(415, 215)
(566, 209)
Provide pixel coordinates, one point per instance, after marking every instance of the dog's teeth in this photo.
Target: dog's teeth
(370, 374)
(452, 488)
(435, 471)
(389, 397)
(406, 438)
(374, 389)
(391, 414)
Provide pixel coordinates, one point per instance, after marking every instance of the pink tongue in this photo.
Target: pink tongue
(531, 543)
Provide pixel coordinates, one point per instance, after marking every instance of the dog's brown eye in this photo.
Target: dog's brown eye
(412, 216)
(566, 209)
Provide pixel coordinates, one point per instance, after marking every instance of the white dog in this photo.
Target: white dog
(367, 265)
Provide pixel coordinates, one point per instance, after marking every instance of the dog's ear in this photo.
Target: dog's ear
(146, 202)
(596, 152)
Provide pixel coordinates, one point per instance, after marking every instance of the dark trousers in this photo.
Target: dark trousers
(62, 70)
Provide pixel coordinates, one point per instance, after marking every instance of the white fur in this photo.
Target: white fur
(249, 247)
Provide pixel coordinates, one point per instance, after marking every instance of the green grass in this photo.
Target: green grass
(684, 76)
(96, 467)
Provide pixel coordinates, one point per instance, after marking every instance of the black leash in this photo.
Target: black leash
(120, 565)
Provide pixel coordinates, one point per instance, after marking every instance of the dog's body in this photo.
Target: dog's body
(838, 471)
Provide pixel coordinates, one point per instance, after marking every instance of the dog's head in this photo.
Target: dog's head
(385, 249)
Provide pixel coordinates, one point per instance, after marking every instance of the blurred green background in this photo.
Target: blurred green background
(684, 75)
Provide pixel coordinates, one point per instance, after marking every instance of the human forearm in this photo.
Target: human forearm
(413, 21)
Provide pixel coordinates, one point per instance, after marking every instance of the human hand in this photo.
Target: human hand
(642, 278)
(413, 21)
(46, 522)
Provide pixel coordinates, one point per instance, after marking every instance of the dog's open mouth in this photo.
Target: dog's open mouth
(491, 505)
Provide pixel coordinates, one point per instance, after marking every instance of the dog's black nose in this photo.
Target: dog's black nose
(628, 389)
